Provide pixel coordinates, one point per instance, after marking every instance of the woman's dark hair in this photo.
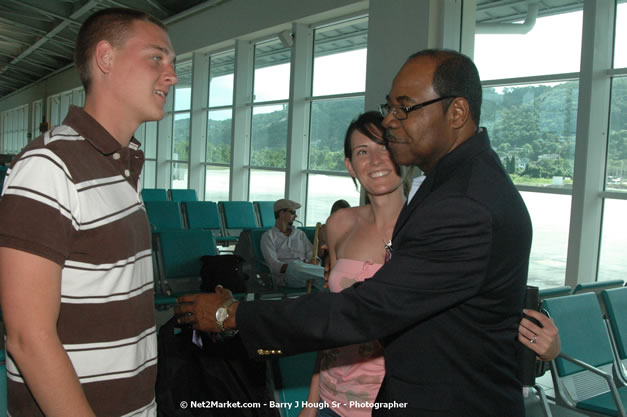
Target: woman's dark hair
(339, 204)
(370, 124)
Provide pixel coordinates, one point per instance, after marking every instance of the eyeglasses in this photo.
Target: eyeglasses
(292, 212)
(402, 112)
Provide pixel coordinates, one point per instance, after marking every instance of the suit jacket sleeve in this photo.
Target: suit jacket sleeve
(439, 260)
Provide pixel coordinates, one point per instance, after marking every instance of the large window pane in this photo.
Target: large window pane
(620, 43)
(266, 185)
(217, 183)
(553, 46)
(329, 120)
(149, 174)
(532, 128)
(180, 142)
(269, 136)
(221, 69)
(147, 135)
(323, 191)
(179, 175)
(617, 145)
(340, 58)
(612, 259)
(183, 87)
(550, 217)
(272, 71)
(219, 128)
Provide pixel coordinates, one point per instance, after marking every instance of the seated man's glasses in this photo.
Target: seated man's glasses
(292, 212)
(402, 112)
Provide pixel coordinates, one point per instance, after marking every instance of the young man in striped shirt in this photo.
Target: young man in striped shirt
(76, 283)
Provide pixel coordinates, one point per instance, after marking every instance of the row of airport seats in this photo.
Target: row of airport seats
(173, 194)
(226, 219)
(178, 261)
(264, 210)
(590, 374)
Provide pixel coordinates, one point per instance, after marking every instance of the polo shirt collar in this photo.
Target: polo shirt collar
(93, 132)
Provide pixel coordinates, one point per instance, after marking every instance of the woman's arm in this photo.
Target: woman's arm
(545, 340)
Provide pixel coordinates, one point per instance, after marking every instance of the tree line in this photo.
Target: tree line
(532, 128)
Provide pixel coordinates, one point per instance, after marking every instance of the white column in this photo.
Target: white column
(242, 113)
(301, 70)
(164, 144)
(591, 144)
(198, 123)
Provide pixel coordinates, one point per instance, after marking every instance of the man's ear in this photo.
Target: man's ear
(458, 112)
(104, 56)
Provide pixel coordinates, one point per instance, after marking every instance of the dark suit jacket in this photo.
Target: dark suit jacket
(446, 306)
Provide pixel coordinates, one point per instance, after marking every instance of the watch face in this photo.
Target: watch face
(221, 314)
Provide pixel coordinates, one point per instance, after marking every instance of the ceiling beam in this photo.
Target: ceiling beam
(66, 22)
(45, 12)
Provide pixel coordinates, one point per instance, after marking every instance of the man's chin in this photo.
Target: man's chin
(400, 158)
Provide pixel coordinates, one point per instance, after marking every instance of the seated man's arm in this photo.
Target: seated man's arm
(30, 295)
(270, 255)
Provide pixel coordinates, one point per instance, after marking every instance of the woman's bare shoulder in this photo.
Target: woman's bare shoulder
(343, 221)
(344, 218)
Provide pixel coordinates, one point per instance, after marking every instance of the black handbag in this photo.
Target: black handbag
(225, 270)
(215, 377)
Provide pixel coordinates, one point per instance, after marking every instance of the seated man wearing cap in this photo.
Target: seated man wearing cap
(288, 252)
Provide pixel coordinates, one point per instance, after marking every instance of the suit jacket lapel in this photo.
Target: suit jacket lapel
(420, 195)
(444, 169)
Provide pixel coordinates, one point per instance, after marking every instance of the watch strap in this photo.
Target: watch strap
(225, 306)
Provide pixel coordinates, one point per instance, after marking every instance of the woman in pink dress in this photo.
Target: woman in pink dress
(347, 379)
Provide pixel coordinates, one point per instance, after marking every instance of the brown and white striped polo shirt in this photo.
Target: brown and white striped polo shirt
(73, 196)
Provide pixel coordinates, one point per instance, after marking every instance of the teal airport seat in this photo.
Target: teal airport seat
(597, 288)
(3, 384)
(263, 270)
(583, 372)
(310, 231)
(164, 215)
(291, 377)
(255, 239)
(615, 301)
(237, 216)
(205, 215)
(3, 173)
(154, 194)
(181, 195)
(265, 212)
(551, 292)
(179, 262)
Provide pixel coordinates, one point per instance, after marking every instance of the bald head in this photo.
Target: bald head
(455, 75)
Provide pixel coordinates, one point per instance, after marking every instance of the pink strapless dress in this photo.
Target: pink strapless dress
(355, 372)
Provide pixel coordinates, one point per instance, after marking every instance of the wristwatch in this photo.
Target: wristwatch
(222, 313)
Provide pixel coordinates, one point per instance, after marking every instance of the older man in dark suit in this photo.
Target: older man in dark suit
(447, 304)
